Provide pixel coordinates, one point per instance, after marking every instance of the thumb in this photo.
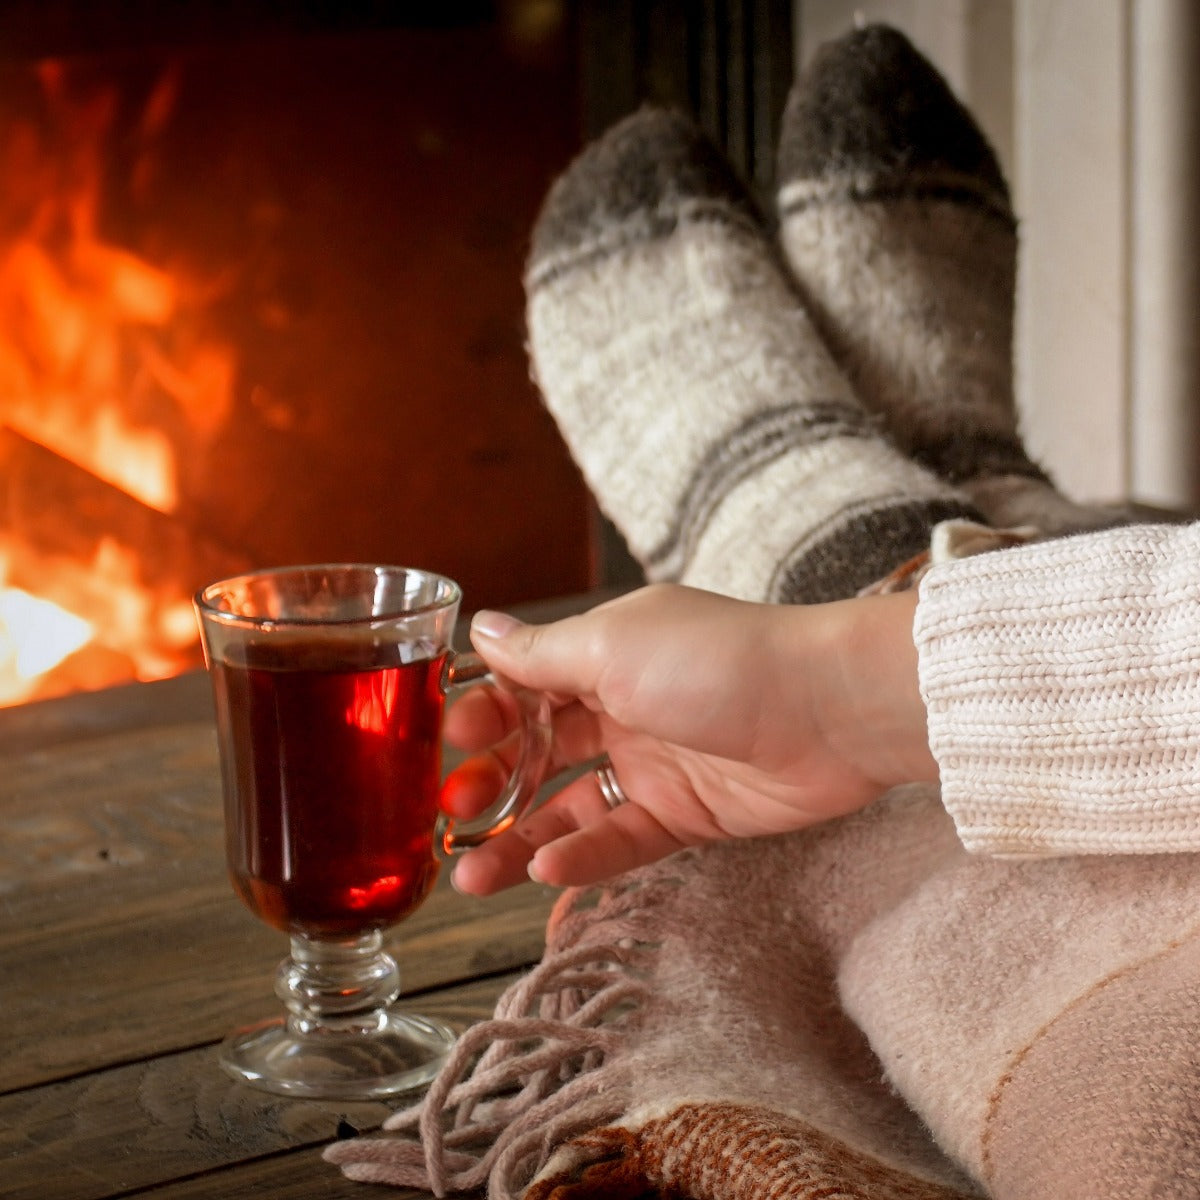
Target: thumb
(547, 658)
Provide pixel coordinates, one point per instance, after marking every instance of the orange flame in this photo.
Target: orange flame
(35, 636)
(69, 303)
(88, 360)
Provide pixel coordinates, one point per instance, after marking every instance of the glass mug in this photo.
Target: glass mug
(330, 684)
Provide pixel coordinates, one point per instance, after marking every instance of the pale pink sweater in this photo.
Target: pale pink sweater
(1062, 681)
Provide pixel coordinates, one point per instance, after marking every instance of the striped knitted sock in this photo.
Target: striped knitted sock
(691, 388)
(896, 220)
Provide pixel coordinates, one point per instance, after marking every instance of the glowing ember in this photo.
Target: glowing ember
(35, 636)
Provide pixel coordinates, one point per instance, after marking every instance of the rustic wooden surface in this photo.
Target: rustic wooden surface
(125, 958)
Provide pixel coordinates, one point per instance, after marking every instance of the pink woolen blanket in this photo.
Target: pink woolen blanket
(861, 1011)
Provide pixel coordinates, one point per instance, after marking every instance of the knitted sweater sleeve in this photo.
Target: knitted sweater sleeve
(1062, 683)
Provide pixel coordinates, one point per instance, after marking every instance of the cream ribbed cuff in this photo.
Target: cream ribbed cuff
(1062, 683)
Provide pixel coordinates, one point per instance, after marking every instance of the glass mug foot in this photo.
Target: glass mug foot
(400, 1053)
(343, 1037)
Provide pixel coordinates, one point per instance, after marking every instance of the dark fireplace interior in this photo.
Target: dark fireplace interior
(260, 295)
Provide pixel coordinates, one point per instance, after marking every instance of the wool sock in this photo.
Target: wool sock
(897, 223)
(702, 407)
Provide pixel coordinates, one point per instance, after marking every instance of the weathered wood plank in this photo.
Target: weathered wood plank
(73, 813)
(167, 971)
(28, 727)
(299, 1175)
(115, 908)
(177, 1117)
(147, 797)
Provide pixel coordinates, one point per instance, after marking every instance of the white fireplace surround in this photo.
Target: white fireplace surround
(1094, 109)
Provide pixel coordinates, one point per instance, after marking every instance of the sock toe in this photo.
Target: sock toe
(872, 108)
(635, 181)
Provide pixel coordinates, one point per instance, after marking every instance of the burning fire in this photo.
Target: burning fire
(88, 355)
(60, 368)
(35, 636)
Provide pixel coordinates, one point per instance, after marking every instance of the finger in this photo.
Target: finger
(480, 717)
(576, 738)
(573, 840)
(474, 784)
(472, 787)
(627, 838)
(565, 657)
(504, 861)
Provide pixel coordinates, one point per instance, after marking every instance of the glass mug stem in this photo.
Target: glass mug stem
(342, 985)
(342, 1037)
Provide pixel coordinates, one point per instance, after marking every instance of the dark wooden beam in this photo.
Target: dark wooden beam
(728, 62)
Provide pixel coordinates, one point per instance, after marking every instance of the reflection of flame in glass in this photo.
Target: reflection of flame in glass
(382, 888)
(374, 705)
(35, 635)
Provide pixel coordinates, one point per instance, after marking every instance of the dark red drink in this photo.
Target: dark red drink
(331, 788)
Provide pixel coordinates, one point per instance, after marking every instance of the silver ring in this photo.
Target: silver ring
(610, 787)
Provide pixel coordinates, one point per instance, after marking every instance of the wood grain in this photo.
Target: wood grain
(177, 1116)
(75, 813)
(125, 957)
(115, 908)
(297, 1175)
(76, 1003)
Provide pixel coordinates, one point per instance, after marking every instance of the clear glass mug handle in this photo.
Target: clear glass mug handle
(467, 670)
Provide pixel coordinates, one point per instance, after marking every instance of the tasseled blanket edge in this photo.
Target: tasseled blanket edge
(550, 1064)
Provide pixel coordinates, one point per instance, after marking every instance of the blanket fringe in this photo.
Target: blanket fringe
(546, 1067)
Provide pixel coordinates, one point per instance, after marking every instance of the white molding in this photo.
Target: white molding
(1165, 306)
(1071, 136)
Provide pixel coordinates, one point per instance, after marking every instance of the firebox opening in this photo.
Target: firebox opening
(260, 302)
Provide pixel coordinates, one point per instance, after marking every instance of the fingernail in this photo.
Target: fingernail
(492, 624)
(532, 871)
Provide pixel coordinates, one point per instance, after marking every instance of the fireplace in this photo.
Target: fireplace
(260, 302)
(260, 294)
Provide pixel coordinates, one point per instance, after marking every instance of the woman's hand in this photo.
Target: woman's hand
(722, 719)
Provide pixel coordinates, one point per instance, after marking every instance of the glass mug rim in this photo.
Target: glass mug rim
(449, 594)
